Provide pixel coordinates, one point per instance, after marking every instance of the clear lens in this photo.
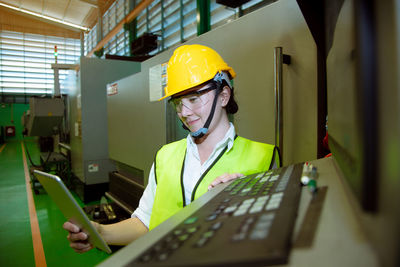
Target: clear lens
(192, 101)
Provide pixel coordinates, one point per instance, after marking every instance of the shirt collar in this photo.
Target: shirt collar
(228, 139)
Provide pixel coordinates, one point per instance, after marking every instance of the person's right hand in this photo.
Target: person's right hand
(78, 239)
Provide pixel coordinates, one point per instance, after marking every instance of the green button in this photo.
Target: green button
(183, 237)
(191, 230)
(208, 234)
(191, 220)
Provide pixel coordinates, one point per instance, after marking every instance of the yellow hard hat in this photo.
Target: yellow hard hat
(191, 65)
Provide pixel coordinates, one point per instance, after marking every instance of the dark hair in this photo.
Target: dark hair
(232, 107)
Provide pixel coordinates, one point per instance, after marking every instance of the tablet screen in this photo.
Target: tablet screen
(70, 208)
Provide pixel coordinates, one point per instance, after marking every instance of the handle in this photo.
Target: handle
(279, 60)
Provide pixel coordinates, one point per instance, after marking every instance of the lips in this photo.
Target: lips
(191, 122)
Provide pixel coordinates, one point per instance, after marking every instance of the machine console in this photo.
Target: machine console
(249, 223)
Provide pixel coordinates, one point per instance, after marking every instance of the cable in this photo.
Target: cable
(29, 156)
(27, 152)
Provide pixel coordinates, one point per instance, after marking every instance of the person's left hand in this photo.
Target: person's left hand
(226, 177)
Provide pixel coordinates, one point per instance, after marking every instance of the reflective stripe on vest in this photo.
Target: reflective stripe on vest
(244, 157)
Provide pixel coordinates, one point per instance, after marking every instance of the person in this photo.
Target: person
(199, 89)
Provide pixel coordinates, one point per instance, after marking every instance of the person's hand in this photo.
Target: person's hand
(78, 239)
(226, 177)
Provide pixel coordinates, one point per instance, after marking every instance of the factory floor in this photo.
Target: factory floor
(31, 231)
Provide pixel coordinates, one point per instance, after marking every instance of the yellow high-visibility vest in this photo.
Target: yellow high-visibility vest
(244, 157)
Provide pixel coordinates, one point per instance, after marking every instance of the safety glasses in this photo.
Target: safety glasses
(192, 101)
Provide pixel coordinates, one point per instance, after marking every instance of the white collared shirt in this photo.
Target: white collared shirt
(193, 170)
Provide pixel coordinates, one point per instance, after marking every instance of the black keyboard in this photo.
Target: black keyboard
(249, 223)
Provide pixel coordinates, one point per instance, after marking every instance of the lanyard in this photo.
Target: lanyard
(201, 177)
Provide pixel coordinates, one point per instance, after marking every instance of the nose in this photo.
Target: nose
(186, 111)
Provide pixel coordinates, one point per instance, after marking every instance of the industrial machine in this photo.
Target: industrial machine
(354, 220)
(44, 116)
(87, 92)
(44, 119)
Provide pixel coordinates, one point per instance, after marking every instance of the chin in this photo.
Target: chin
(194, 130)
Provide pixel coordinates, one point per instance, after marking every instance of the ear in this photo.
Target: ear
(225, 95)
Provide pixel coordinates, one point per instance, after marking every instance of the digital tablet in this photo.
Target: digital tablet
(60, 194)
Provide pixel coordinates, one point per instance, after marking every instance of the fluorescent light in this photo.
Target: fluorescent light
(45, 17)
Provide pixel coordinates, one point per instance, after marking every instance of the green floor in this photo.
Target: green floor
(16, 248)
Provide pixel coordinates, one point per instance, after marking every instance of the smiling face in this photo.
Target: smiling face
(195, 108)
(195, 105)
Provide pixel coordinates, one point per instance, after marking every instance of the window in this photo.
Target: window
(119, 44)
(174, 21)
(90, 39)
(25, 62)
(221, 14)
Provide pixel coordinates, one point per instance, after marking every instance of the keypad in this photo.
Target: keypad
(252, 202)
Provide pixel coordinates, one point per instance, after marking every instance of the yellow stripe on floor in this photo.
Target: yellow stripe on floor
(2, 147)
(40, 259)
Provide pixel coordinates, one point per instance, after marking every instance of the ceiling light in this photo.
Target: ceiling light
(45, 17)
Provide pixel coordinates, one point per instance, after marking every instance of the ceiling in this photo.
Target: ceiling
(80, 12)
